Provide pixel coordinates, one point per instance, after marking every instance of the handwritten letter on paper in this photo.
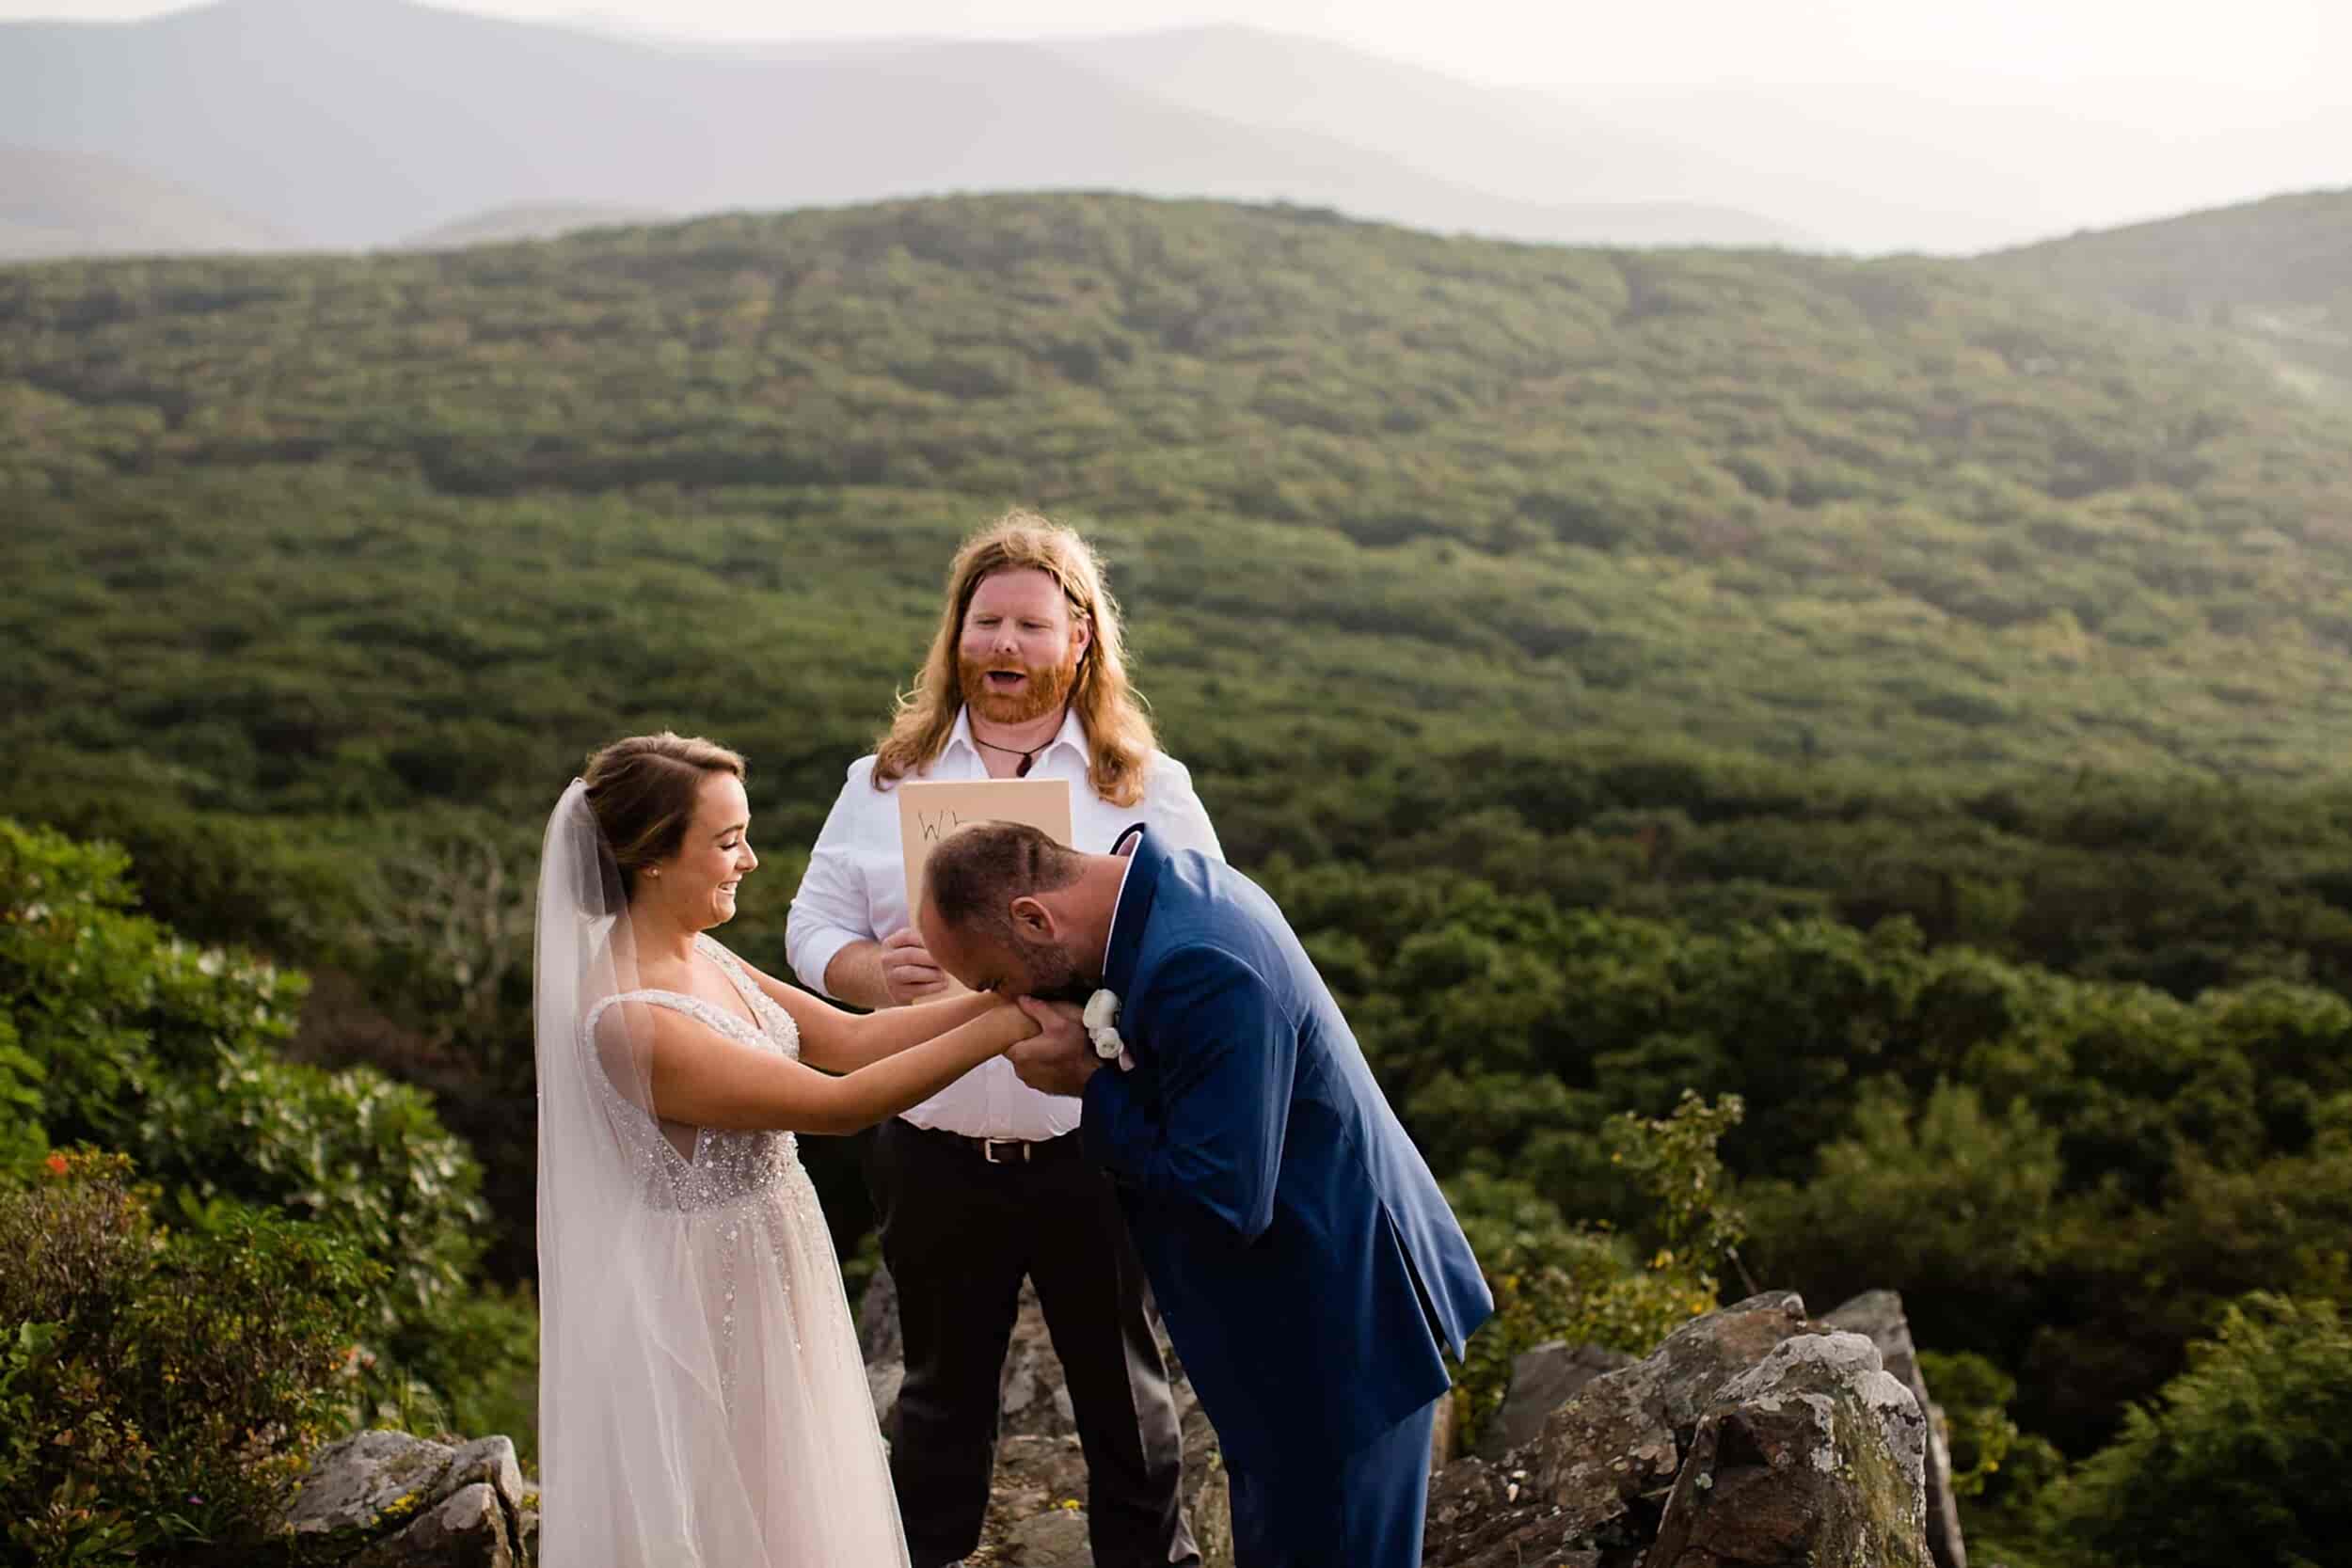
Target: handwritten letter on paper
(929, 812)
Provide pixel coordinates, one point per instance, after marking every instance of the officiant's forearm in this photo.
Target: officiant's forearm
(854, 975)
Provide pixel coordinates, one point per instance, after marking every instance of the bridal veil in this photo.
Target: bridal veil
(633, 1437)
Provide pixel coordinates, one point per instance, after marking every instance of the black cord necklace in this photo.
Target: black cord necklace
(1029, 756)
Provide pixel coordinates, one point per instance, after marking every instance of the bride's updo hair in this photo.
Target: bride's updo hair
(643, 791)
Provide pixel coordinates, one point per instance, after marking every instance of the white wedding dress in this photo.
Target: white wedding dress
(704, 1403)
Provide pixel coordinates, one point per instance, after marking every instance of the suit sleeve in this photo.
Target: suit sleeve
(1206, 1123)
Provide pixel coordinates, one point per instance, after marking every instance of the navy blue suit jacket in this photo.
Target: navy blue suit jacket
(1307, 1266)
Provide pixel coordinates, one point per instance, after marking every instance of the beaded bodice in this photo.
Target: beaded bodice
(727, 1166)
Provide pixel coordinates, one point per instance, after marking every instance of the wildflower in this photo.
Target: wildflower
(58, 1164)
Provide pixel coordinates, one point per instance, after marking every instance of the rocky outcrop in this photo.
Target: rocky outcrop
(1037, 1509)
(1031, 1395)
(1810, 1459)
(1543, 1379)
(1751, 1436)
(385, 1499)
(1879, 1316)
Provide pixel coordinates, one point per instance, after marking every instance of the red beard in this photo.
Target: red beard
(1047, 690)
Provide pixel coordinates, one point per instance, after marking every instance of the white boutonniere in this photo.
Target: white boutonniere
(1101, 1019)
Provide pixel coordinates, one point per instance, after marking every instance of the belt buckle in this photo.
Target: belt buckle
(990, 1146)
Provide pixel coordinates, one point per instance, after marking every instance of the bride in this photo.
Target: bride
(703, 1403)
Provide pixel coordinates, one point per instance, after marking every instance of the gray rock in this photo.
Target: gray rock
(1813, 1458)
(1605, 1448)
(878, 1334)
(884, 1379)
(490, 1461)
(1039, 1469)
(1033, 1395)
(466, 1530)
(1589, 1491)
(1695, 1360)
(1034, 1513)
(1622, 1437)
(1542, 1380)
(1485, 1516)
(1054, 1539)
(385, 1499)
(366, 1482)
(1879, 1315)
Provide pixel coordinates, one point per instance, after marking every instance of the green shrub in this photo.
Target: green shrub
(1992, 1460)
(2246, 1458)
(23, 1139)
(1554, 1280)
(1945, 1202)
(159, 1388)
(133, 1040)
(478, 1373)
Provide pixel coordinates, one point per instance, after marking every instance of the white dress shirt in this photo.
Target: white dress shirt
(855, 891)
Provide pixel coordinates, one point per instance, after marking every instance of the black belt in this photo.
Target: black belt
(1008, 1152)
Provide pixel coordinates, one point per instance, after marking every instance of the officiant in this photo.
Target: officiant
(984, 1184)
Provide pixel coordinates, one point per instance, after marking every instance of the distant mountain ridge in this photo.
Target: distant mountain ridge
(83, 204)
(537, 221)
(368, 122)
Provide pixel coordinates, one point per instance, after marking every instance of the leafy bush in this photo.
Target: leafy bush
(1943, 1198)
(161, 1389)
(1992, 1460)
(1552, 1280)
(2245, 1459)
(168, 1052)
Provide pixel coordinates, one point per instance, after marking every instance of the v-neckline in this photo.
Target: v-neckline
(746, 1012)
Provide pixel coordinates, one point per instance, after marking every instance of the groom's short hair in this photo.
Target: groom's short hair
(978, 871)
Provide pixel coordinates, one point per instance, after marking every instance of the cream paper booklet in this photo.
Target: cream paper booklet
(928, 811)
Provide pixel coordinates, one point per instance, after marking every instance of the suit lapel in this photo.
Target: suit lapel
(1134, 914)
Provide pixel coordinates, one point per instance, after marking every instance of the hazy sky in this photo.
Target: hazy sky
(2146, 53)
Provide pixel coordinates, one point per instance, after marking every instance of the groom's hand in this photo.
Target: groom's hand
(1059, 1058)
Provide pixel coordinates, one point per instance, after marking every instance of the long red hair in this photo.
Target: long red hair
(1118, 732)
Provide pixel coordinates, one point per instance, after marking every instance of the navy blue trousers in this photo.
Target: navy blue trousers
(1366, 1511)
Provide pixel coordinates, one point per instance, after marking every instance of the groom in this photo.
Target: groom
(1307, 1267)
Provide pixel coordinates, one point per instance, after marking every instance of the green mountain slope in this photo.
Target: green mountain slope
(2273, 273)
(1362, 483)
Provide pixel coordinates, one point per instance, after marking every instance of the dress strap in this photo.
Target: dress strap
(710, 1014)
(732, 967)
